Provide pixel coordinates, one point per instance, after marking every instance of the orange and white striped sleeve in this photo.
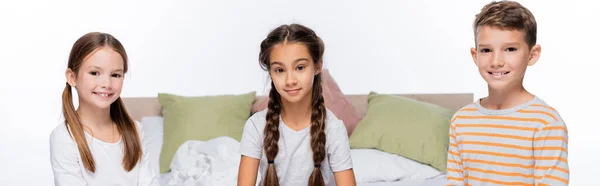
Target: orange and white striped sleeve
(454, 165)
(550, 154)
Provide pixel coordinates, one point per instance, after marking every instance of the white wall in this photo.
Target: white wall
(211, 47)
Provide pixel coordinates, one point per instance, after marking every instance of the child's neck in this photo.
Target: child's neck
(505, 99)
(95, 118)
(297, 115)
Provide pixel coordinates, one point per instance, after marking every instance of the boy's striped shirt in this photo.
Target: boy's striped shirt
(524, 145)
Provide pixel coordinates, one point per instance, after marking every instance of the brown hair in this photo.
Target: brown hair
(299, 34)
(507, 15)
(83, 47)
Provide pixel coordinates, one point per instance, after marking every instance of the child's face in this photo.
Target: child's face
(502, 56)
(292, 71)
(99, 79)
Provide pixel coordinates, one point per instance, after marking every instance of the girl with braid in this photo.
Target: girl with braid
(296, 141)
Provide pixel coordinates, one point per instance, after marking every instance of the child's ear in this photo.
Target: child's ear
(474, 55)
(534, 54)
(318, 68)
(70, 75)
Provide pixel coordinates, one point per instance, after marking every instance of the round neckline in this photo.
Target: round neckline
(301, 131)
(484, 110)
(103, 142)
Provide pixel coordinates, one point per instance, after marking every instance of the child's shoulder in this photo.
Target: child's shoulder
(61, 134)
(258, 119)
(332, 122)
(465, 109)
(260, 114)
(540, 109)
(139, 127)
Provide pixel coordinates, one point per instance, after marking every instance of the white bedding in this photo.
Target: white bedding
(199, 163)
(153, 139)
(388, 167)
(440, 181)
(217, 160)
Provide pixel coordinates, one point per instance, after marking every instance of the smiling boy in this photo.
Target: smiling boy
(510, 137)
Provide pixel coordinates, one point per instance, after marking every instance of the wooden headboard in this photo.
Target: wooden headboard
(139, 107)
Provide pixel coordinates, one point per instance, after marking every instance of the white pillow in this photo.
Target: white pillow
(372, 165)
(153, 139)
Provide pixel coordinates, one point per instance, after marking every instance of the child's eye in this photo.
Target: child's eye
(485, 50)
(94, 73)
(301, 67)
(278, 70)
(116, 75)
(511, 49)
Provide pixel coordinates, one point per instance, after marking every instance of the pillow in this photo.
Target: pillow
(201, 118)
(371, 165)
(334, 101)
(387, 167)
(153, 139)
(407, 127)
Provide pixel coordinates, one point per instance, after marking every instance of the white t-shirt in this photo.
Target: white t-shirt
(108, 158)
(294, 163)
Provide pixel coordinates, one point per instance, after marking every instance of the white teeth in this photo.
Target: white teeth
(498, 73)
(103, 94)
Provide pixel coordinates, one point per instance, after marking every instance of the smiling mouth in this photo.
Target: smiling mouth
(293, 90)
(498, 73)
(104, 94)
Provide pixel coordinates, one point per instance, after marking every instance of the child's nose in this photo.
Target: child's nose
(497, 60)
(291, 79)
(105, 82)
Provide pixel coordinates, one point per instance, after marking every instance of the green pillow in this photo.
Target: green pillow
(200, 118)
(407, 127)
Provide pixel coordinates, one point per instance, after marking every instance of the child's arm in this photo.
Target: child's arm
(454, 165)
(147, 176)
(64, 158)
(247, 171)
(550, 154)
(338, 151)
(345, 178)
(251, 150)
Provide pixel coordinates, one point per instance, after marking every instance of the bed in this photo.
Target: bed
(147, 110)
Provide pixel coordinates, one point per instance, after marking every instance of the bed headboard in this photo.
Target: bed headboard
(139, 107)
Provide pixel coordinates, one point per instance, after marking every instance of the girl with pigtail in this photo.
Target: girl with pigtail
(98, 143)
(296, 141)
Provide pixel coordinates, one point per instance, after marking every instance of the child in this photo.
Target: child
(296, 141)
(99, 143)
(510, 137)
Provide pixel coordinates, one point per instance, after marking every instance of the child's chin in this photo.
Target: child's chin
(103, 105)
(292, 99)
(502, 86)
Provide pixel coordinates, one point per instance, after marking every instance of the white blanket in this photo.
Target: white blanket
(205, 163)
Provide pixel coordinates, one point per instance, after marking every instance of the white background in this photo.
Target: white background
(211, 47)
